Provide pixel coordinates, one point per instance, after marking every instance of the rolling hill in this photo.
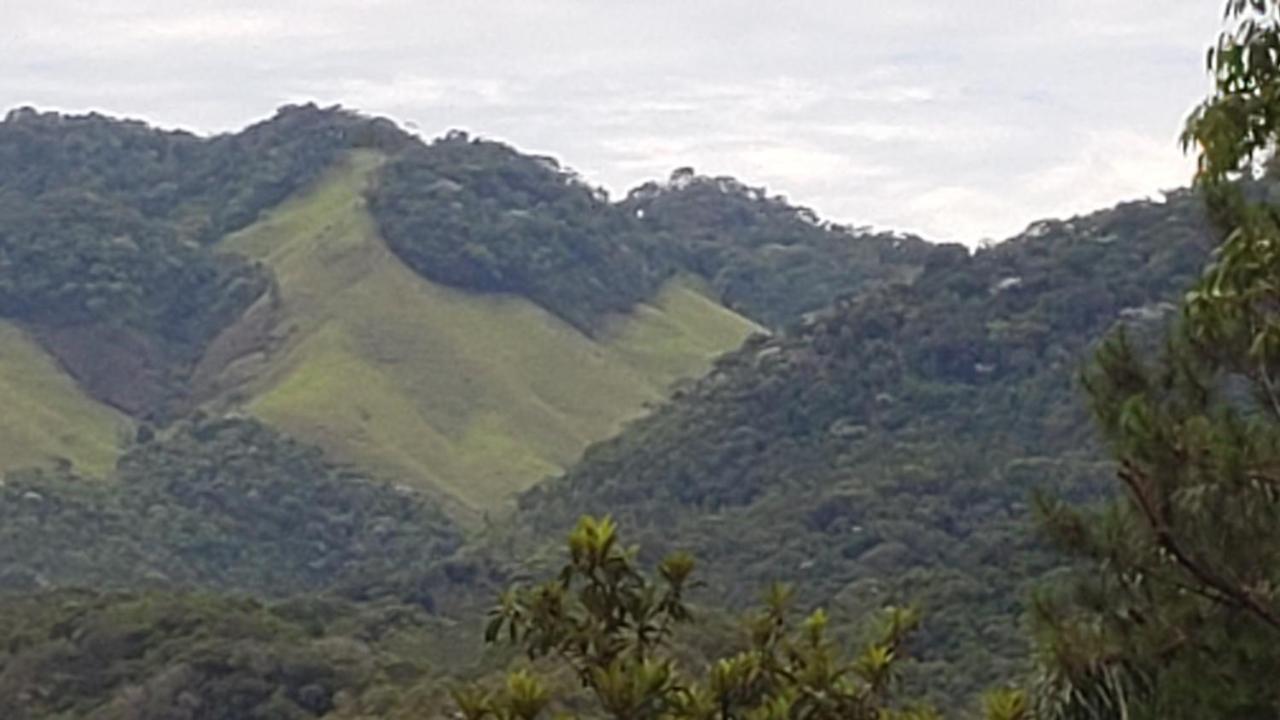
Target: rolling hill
(476, 395)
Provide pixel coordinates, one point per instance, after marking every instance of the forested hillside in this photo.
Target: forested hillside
(215, 504)
(481, 216)
(478, 215)
(322, 420)
(766, 258)
(887, 449)
(148, 656)
(472, 396)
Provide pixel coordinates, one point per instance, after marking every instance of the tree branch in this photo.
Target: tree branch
(1156, 520)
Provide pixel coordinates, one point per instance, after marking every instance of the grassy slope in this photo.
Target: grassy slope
(477, 395)
(46, 415)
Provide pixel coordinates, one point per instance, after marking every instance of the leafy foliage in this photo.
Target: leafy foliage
(218, 504)
(613, 626)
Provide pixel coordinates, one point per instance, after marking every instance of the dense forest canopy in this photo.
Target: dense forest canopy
(481, 216)
(154, 655)
(886, 449)
(74, 257)
(215, 504)
(209, 186)
(764, 257)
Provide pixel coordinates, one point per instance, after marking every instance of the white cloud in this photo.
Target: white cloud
(962, 120)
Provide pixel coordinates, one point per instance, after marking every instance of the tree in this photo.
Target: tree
(1176, 610)
(615, 628)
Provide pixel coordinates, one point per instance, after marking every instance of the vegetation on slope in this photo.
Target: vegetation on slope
(1174, 608)
(879, 451)
(101, 230)
(71, 262)
(763, 257)
(106, 228)
(169, 656)
(216, 504)
(73, 258)
(885, 444)
(886, 450)
(206, 186)
(46, 417)
(476, 395)
(480, 216)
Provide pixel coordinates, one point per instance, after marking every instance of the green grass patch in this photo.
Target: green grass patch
(47, 416)
(678, 333)
(476, 395)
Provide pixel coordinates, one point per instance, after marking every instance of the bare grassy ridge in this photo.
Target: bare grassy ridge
(476, 395)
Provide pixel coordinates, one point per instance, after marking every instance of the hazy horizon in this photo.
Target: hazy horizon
(960, 123)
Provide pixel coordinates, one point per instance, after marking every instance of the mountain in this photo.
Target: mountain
(165, 272)
(480, 216)
(353, 374)
(763, 256)
(327, 300)
(105, 235)
(475, 395)
(453, 315)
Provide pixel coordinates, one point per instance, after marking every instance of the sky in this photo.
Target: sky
(960, 120)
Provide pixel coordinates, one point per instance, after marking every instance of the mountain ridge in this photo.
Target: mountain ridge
(407, 330)
(185, 320)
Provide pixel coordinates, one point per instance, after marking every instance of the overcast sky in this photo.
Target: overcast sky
(957, 119)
